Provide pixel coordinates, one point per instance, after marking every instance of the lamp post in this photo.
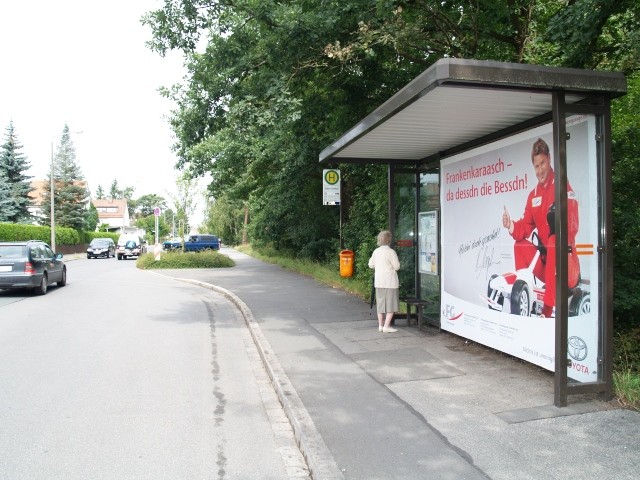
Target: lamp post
(53, 221)
(52, 190)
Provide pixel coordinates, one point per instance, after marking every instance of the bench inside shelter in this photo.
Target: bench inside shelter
(419, 305)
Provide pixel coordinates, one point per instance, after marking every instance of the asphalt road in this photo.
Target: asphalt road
(131, 375)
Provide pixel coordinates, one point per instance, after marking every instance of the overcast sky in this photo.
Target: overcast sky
(84, 63)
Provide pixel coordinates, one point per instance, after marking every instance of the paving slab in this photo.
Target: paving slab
(420, 403)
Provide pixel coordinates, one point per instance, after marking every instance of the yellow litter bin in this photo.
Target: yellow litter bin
(346, 263)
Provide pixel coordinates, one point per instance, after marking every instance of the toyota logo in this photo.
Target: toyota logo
(577, 348)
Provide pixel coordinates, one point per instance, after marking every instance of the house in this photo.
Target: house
(113, 212)
(36, 196)
(40, 188)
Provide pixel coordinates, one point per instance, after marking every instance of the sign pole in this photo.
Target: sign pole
(332, 192)
(156, 214)
(341, 241)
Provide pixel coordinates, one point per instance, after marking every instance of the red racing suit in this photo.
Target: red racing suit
(535, 217)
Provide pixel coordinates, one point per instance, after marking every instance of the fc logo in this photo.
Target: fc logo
(449, 313)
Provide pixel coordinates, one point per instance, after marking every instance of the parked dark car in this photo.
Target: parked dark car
(101, 247)
(31, 264)
(201, 243)
(172, 244)
(193, 243)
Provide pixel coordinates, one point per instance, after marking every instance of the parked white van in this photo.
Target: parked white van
(126, 249)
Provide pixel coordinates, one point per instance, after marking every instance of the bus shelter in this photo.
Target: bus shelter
(500, 205)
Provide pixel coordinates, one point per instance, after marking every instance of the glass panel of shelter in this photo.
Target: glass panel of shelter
(584, 322)
(429, 252)
(404, 230)
(416, 204)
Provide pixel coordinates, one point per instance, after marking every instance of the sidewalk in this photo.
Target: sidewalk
(414, 404)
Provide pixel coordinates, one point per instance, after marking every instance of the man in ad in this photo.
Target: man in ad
(539, 214)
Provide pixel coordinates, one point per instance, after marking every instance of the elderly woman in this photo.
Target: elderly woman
(386, 264)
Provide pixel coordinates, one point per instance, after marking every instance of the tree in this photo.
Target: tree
(148, 224)
(279, 81)
(607, 37)
(7, 205)
(125, 193)
(626, 204)
(168, 217)
(92, 218)
(255, 114)
(100, 195)
(146, 204)
(184, 201)
(132, 204)
(114, 191)
(13, 164)
(71, 195)
(226, 219)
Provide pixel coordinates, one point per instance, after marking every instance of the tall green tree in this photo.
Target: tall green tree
(92, 218)
(146, 204)
(7, 205)
(278, 81)
(148, 224)
(225, 219)
(260, 106)
(132, 204)
(114, 190)
(626, 204)
(184, 202)
(100, 195)
(14, 165)
(592, 34)
(71, 199)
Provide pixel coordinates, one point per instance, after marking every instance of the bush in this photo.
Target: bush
(88, 236)
(627, 388)
(18, 232)
(626, 348)
(178, 259)
(626, 374)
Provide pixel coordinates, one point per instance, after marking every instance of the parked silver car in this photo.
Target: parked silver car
(31, 264)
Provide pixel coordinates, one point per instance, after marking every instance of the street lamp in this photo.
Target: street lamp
(52, 190)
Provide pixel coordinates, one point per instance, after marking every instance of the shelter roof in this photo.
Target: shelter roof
(456, 104)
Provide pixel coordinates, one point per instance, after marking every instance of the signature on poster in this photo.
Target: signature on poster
(485, 260)
(485, 256)
(478, 242)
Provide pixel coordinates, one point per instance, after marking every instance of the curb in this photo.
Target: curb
(321, 464)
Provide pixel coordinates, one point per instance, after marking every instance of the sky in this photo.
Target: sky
(85, 64)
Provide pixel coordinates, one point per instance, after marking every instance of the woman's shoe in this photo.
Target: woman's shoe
(389, 329)
(379, 328)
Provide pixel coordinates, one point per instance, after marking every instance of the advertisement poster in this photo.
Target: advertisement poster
(493, 282)
(428, 242)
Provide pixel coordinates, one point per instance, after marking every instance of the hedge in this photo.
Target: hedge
(18, 232)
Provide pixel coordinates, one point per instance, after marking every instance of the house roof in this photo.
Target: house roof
(41, 187)
(456, 103)
(119, 204)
